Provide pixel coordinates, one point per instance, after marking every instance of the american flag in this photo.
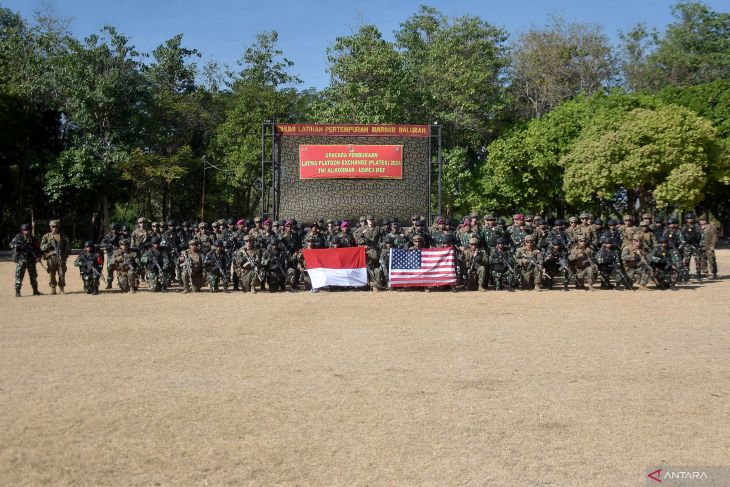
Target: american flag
(425, 267)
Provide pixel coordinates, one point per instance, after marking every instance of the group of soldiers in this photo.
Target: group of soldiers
(264, 254)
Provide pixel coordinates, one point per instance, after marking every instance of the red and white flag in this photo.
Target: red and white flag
(336, 267)
(425, 267)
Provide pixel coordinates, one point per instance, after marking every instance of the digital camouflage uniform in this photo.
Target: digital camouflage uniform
(55, 248)
(708, 262)
(529, 261)
(217, 265)
(191, 269)
(156, 263)
(500, 262)
(692, 237)
(26, 251)
(126, 265)
(275, 263)
(631, 256)
(580, 258)
(666, 261)
(90, 264)
(474, 265)
(110, 243)
(247, 265)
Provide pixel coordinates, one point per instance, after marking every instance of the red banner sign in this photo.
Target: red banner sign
(351, 161)
(302, 129)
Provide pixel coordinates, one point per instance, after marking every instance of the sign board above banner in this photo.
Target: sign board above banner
(351, 161)
(311, 129)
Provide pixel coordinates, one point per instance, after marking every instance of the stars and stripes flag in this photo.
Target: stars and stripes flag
(424, 267)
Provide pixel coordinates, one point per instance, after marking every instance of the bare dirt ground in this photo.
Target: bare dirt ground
(362, 388)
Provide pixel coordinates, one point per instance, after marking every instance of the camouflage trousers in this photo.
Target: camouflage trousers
(108, 263)
(378, 279)
(214, 278)
(477, 280)
(56, 272)
(708, 261)
(665, 279)
(127, 281)
(530, 279)
(91, 283)
(503, 278)
(158, 282)
(192, 282)
(585, 277)
(247, 280)
(638, 275)
(277, 281)
(687, 258)
(20, 268)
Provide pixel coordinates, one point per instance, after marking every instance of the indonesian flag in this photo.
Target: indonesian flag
(336, 267)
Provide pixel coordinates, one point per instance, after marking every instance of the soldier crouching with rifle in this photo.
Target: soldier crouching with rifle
(125, 263)
(530, 263)
(55, 248)
(191, 268)
(90, 263)
(156, 261)
(26, 253)
(217, 264)
(474, 263)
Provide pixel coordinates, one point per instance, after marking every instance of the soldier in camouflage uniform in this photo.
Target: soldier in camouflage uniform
(530, 264)
(708, 241)
(90, 264)
(217, 264)
(205, 238)
(156, 230)
(399, 240)
(156, 261)
(372, 263)
(517, 231)
(503, 266)
(275, 263)
(172, 241)
(632, 257)
(125, 263)
(384, 260)
(26, 252)
(628, 229)
(110, 243)
(140, 235)
(648, 241)
(607, 260)
(247, 265)
(55, 248)
(474, 265)
(192, 266)
(692, 236)
(581, 258)
(665, 261)
(310, 242)
(467, 233)
(557, 264)
(371, 231)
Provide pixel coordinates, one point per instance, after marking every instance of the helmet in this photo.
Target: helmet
(606, 239)
(489, 216)
(572, 219)
(417, 237)
(25, 226)
(662, 239)
(116, 226)
(155, 240)
(559, 222)
(185, 224)
(219, 243)
(611, 222)
(388, 239)
(598, 221)
(124, 241)
(473, 241)
(89, 243)
(585, 215)
(501, 221)
(171, 223)
(248, 238)
(674, 220)
(193, 242)
(230, 221)
(141, 220)
(689, 216)
(501, 240)
(125, 228)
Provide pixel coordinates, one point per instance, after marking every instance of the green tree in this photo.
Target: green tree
(666, 154)
(556, 63)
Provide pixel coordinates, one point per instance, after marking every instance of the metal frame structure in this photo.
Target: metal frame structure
(271, 157)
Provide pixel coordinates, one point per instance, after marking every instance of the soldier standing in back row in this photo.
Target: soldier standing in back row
(692, 235)
(55, 248)
(26, 252)
(140, 235)
(708, 241)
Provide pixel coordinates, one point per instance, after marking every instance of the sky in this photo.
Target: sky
(221, 29)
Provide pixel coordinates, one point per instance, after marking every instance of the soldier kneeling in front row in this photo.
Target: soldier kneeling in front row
(191, 268)
(125, 263)
(90, 264)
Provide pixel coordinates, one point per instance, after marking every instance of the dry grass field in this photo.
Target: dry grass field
(362, 388)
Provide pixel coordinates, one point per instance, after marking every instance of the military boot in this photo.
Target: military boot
(60, 290)
(36, 292)
(17, 292)
(53, 291)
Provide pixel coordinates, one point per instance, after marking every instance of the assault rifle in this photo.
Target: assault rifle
(565, 267)
(618, 265)
(535, 263)
(254, 267)
(224, 274)
(593, 263)
(649, 268)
